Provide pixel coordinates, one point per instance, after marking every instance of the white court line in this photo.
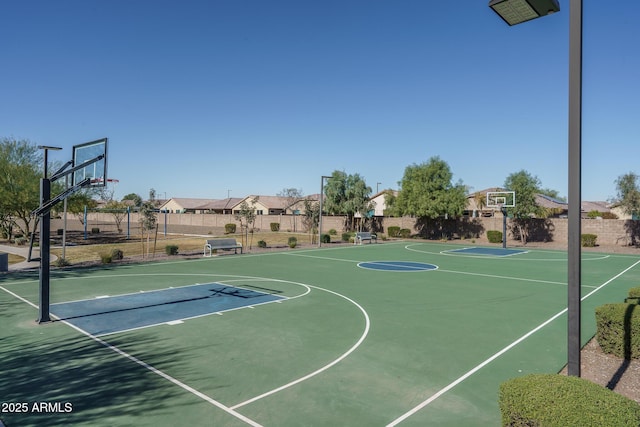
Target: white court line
(500, 353)
(152, 369)
(324, 368)
(522, 279)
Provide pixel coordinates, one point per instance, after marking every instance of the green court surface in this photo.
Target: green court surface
(395, 333)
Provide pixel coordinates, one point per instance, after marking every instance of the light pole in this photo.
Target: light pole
(320, 213)
(515, 12)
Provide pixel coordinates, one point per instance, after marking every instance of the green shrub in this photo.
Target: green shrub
(393, 231)
(60, 231)
(275, 226)
(404, 233)
(292, 242)
(588, 240)
(229, 228)
(618, 329)
(262, 244)
(171, 250)
(494, 236)
(634, 296)
(333, 232)
(556, 400)
(106, 258)
(325, 238)
(346, 237)
(117, 254)
(61, 262)
(95, 230)
(20, 241)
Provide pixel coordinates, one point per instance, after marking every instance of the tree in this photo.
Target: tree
(427, 191)
(148, 216)
(526, 187)
(628, 197)
(78, 201)
(347, 195)
(136, 199)
(21, 166)
(311, 218)
(292, 195)
(246, 215)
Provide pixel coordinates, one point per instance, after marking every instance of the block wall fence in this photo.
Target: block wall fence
(609, 231)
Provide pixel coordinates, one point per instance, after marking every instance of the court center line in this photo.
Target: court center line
(500, 353)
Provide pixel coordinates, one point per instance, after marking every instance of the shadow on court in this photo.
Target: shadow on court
(81, 381)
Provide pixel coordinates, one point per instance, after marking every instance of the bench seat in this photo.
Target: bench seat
(361, 236)
(224, 244)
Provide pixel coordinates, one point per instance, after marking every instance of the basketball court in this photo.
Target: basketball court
(399, 333)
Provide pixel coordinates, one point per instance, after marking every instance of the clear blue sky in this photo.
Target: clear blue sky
(209, 98)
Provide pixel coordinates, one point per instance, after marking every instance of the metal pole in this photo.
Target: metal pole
(504, 227)
(575, 178)
(45, 229)
(322, 178)
(320, 214)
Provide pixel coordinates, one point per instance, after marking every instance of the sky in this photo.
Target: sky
(217, 98)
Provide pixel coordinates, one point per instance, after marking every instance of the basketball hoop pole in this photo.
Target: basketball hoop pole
(504, 226)
(45, 244)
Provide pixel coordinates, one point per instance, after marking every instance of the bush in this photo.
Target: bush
(494, 236)
(117, 254)
(95, 230)
(262, 244)
(275, 226)
(60, 231)
(346, 237)
(588, 240)
(229, 228)
(333, 232)
(292, 242)
(171, 250)
(106, 258)
(634, 296)
(559, 400)
(61, 262)
(404, 233)
(393, 231)
(325, 238)
(618, 329)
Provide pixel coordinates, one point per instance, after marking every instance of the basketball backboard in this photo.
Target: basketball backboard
(501, 199)
(95, 170)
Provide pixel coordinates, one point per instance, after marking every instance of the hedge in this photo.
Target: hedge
(618, 329)
(588, 240)
(393, 231)
(634, 296)
(494, 236)
(558, 400)
(229, 228)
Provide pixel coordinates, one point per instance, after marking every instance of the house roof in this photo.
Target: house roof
(189, 203)
(222, 204)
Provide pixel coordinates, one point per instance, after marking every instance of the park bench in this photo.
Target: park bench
(224, 244)
(361, 236)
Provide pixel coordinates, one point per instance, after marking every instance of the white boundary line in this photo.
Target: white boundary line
(448, 252)
(230, 410)
(150, 368)
(324, 368)
(500, 353)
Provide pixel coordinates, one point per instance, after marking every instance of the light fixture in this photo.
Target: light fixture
(517, 11)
